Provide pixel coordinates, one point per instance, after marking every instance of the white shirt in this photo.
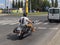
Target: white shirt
(25, 20)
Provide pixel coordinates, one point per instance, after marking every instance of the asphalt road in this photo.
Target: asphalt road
(45, 31)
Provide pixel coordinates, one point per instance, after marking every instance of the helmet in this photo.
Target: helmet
(25, 14)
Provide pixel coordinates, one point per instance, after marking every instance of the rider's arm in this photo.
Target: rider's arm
(29, 21)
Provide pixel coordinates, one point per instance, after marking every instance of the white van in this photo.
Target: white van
(53, 14)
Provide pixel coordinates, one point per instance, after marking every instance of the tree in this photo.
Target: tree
(33, 4)
(52, 3)
(45, 4)
(13, 4)
(40, 4)
(18, 3)
(36, 4)
(56, 3)
(21, 4)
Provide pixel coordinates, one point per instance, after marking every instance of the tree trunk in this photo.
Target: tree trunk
(56, 3)
(52, 3)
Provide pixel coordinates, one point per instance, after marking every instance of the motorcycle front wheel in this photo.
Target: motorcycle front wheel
(21, 36)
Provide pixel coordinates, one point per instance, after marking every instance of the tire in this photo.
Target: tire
(50, 20)
(20, 37)
(30, 31)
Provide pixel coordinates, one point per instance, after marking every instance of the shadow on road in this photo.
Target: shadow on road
(14, 37)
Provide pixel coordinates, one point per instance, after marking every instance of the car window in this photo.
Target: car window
(54, 11)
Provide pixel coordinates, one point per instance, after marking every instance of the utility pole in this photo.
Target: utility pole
(27, 6)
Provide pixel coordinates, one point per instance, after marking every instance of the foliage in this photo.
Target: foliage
(56, 3)
(40, 4)
(37, 5)
(45, 4)
(18, 3)
(13, 4)
(52, 3)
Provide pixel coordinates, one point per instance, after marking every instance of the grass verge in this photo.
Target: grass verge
(32, 14)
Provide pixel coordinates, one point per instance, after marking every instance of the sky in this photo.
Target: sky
(8, 3)
(2, 3)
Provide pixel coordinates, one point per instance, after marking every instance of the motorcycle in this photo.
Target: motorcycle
(26, 30)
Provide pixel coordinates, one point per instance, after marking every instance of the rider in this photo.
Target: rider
(26, 21)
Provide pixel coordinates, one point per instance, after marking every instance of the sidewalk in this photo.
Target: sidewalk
(56, 39)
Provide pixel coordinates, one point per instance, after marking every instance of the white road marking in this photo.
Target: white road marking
(42, 28)
(45, 23)
(48, 28)
(4, 24)
(54, 28)
(10, 22)
(38, 23)
(13, 23)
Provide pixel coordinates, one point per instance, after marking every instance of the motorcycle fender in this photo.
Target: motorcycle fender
(18, 28)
